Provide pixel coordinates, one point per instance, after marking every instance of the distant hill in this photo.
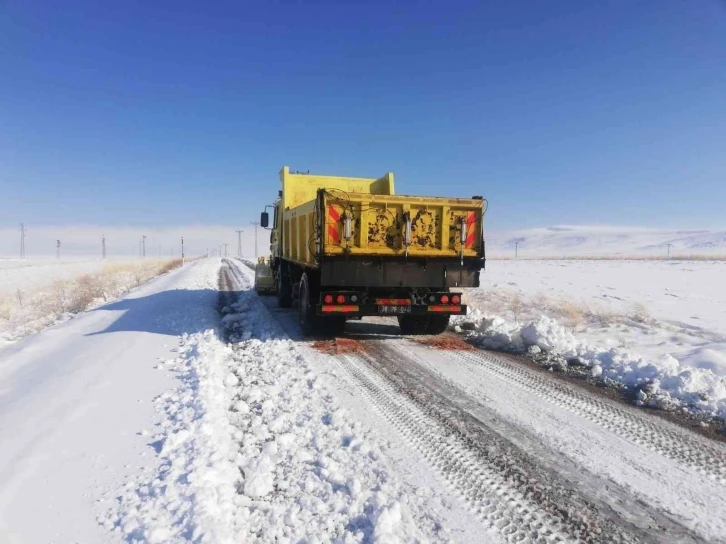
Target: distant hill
(581, 241)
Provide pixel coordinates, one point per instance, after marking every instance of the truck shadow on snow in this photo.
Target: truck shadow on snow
(171, 313)
(354, 329)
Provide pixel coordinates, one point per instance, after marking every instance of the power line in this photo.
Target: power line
(239, 242)
(255, 223)
(22, 240)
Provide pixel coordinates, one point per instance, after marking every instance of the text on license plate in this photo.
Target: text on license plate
(394, 309)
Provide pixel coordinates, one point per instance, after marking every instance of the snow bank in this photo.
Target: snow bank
(308, 469)
(697, 382)
(252, 447)
(191, 496)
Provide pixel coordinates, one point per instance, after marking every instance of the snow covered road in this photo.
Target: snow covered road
(75, 398)
(482, 422)
(150, 420)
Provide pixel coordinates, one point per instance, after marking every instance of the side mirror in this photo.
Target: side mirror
(265, 220)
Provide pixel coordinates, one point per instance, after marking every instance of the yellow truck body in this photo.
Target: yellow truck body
(348, 247)
(363, 217)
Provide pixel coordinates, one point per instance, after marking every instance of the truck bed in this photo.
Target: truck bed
(339, 223)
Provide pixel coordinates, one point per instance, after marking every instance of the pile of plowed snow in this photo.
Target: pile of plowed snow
(253, 447)
(663, 382)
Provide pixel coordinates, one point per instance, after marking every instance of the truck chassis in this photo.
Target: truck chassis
(420, 309)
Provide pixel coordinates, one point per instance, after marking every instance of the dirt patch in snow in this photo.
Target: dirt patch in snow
(339, 346)
(446, 342)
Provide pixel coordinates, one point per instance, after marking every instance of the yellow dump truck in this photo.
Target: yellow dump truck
(350, 247)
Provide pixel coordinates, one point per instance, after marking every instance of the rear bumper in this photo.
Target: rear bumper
(439, 273)
(350, 310)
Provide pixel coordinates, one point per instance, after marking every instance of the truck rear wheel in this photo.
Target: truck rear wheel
(438, 324)
(284, 287)
(306, 309)
(413, 324)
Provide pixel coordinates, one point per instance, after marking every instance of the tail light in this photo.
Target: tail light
(455, 299)
(328, 299)
(444, 299)
(340, 299)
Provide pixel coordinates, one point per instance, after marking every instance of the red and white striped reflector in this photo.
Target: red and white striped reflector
(471, 232)
(334, 228)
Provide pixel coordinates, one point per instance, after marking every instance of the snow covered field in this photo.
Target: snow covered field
(29, 274)
(656, 324)
(604, 241)
(35, 293)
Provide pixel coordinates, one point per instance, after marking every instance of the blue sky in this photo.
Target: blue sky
(166, 113)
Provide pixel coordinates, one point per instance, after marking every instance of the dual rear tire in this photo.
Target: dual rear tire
(310, 322)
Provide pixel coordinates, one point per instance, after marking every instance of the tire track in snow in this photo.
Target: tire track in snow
(506, 491)
(505, 497)
(496, 503)
(705, 459)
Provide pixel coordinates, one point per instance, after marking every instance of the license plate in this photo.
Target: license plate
(394, 309)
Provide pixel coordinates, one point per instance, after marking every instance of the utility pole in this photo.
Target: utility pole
(103, 247)
(225, 250)
(516, 250)
(239, 243)
(255, 223)
(182, 250)
(669, 250)
(143, 246)
(22, 240)
(220, 251)
(57, 249)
